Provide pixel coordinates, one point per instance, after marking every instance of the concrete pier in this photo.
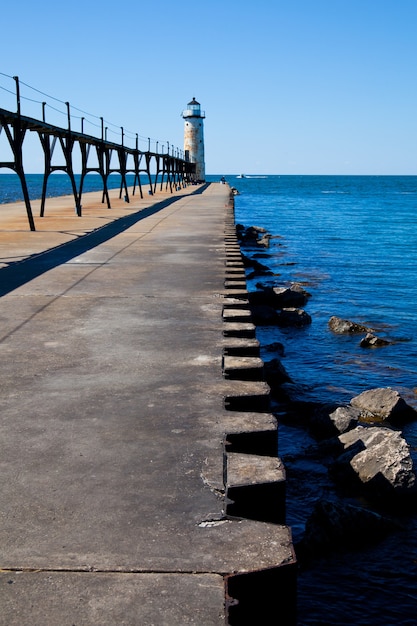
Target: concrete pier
(141, 483)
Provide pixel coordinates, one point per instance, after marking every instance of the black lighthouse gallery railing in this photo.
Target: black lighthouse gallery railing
(95, 154)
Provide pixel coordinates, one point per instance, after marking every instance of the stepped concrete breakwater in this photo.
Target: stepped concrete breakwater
(140, 477)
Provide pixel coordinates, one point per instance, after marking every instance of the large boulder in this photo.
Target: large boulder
(267, 309)
(280, 297)
(346, 327)
(253, 235)
(377, 459)
(294, 296)
(262, 297)
(292, 316)
(264, 315)
(370, 407)
(383, 403)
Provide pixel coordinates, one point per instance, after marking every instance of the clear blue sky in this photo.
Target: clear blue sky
(288, 87)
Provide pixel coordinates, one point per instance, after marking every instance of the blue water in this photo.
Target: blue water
(351, 241)
(58, 185)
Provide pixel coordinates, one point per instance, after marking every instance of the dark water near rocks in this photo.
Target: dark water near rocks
(351, 241)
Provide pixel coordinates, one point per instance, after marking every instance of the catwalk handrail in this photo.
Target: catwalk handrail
(171, 167)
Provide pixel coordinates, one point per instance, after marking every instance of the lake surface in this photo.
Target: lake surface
(351, 241)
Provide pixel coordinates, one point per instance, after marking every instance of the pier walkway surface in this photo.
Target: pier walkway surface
(115, 410)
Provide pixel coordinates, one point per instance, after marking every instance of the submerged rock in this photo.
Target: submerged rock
(256, 266)
(275, 374)
(342, 527)
(343, 327)
(276, 346)
(372, 341)
(264, 240)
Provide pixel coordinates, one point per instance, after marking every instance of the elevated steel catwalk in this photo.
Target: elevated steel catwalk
(167, 168)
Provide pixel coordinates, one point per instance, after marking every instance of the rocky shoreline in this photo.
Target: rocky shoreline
(360, 445)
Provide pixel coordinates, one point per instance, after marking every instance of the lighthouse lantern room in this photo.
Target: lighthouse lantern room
(194, 137)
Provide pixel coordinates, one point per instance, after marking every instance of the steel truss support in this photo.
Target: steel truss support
(67, 142)
(172, 170)
(137, 157)
(15, 131)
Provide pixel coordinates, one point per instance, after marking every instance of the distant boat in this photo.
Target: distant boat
(255, 176)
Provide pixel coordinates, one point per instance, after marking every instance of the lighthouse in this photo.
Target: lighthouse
(194, 137)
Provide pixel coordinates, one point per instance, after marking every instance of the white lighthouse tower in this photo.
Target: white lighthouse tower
(194, 137)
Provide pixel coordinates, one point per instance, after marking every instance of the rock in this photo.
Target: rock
(325, 423)
(343, 327)
(372, 341)
(263, 315)
(342, 527)
(255, 265)
(276, 346)
(383, 404)
(265, 303)
(297, 287)
(258, 272)
(262, 255)
(289, 296)
(293, 317)
(376, 458)
(275, 373)
(264, 240)
(344, 418)
(280, 297)
(372, 406)
(262, 297)
(253, 235)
